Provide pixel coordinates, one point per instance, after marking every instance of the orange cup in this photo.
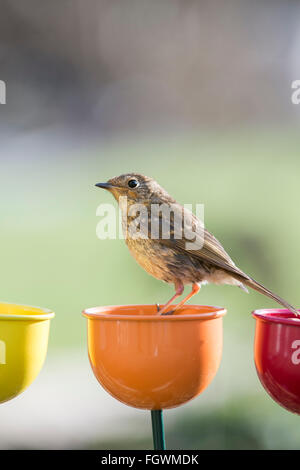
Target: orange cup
(154, 362)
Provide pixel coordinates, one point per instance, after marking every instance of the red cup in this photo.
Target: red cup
(277, 355)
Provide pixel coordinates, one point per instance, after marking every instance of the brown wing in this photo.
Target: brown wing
(210, 251)
(213, 253)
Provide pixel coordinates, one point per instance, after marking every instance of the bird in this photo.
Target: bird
(167, 252)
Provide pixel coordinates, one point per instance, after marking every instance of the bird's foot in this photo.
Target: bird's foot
(170, 312)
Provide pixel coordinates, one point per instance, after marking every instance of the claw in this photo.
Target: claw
(169, 312)
(166, 313)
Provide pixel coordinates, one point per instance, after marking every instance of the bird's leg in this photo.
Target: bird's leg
(179, 288)
(195, 290)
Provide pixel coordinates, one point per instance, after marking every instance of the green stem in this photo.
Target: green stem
(158, 432)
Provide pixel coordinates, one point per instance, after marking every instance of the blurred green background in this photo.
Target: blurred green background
(75, 117)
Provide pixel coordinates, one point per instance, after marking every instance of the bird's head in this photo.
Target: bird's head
(138, 188)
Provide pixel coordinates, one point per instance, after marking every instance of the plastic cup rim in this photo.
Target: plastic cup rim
(46, 313)
(267, 315)
(99, 313)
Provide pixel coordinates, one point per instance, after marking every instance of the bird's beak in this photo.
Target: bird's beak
(104, 185)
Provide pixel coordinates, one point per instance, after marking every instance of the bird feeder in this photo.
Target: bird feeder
(277, 355)
(24, 332)
(151, 361)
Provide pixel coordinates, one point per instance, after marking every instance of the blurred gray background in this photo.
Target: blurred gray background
(196, 94)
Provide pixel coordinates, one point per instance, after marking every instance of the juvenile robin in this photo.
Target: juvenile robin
(171, 243)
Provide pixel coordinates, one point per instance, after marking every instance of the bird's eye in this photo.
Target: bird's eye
(133, 184)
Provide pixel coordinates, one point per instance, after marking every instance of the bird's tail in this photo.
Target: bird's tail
(263, 290)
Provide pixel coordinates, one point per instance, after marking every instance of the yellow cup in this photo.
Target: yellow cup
(24, 332)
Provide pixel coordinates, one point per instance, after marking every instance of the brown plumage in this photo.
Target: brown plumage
(167, 257)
